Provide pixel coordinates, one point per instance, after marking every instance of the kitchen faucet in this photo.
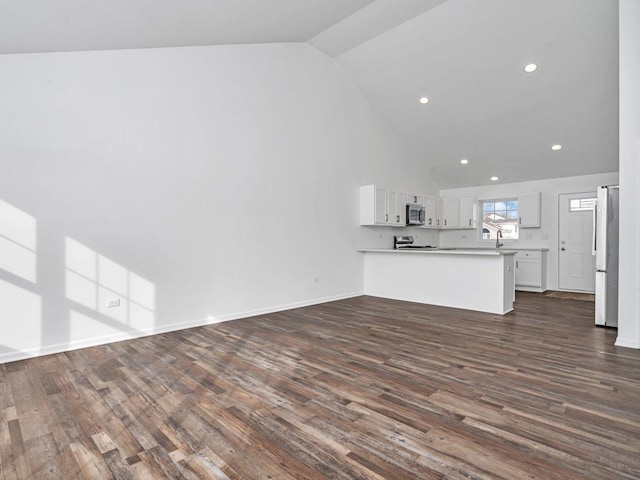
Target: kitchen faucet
(498, 237)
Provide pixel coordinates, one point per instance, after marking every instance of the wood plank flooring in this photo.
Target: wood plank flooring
(364, 388)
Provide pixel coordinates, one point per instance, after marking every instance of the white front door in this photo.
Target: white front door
(576, 262)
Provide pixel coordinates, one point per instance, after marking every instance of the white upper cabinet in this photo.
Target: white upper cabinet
(450, 216)
(386, 206)
(529, 209)
(381, 210)
(397, 209)
(416, 199)
(431, 211)
(468, 212)
(381, 206)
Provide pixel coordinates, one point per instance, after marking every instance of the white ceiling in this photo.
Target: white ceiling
(465, 55)
(28, 26)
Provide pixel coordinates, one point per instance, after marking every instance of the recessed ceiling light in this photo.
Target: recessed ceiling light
(464, 161)
(532, 67)
(556, 147)
(424, 100)
(495, 179)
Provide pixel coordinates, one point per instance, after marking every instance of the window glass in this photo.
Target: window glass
(582, 204)
(500, 215)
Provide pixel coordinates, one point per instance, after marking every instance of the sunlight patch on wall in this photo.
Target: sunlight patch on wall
(17, 242)
(20, 318)
(93, 279)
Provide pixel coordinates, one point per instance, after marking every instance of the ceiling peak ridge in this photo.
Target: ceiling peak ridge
(373, 20)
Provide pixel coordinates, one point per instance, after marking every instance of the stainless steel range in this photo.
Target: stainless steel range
(401, 243)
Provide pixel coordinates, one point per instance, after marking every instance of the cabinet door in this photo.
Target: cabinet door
(529, 209)
(431, 212)
(397, 210)
(468, 213)
(450, 213)
(381, 205)
(413, 198)
(528, 273)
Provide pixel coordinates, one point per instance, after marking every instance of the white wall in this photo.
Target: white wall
(547, 235)
(629, 300)
(192, 183)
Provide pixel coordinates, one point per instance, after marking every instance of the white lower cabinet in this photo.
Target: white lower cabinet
(531, 270)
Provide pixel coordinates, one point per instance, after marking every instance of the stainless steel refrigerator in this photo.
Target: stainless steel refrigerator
(605, 247)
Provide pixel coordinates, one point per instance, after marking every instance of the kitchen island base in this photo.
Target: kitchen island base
(471, 280)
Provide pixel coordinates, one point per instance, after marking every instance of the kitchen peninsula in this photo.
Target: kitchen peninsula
(481, 280)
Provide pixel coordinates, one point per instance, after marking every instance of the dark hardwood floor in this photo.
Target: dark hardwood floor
(364, 388)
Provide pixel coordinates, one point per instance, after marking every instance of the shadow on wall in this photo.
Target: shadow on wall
(90, 281)
(93, 280)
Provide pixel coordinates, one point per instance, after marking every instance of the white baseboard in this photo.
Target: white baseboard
(93, 342)
(520, 288)
(628, 343)
(280, 308)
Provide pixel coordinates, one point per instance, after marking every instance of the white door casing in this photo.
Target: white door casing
(576, 263)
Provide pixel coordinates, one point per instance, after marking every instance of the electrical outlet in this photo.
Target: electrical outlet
(113, 302)
(316, 279)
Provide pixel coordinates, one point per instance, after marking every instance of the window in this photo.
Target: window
(582, 204)
(500, 215)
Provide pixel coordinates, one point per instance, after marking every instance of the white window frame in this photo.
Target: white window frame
(481, 222)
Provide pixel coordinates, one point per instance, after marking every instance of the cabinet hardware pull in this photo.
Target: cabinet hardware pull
(516, 263)
(445, 222)
(469, 222)
(520, 220)
(386, 217)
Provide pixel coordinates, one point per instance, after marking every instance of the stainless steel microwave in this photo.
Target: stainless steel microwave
(415, 214)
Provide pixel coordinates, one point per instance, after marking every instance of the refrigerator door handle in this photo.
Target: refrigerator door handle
(601, 228)
(593, 235)
(601, 298)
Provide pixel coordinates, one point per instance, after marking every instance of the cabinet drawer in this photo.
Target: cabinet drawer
(532, 254)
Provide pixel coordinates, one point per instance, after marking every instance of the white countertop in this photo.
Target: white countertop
(513, 249)
(457, 251)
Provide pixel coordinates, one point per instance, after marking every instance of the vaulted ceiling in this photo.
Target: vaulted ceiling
(465, 56)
